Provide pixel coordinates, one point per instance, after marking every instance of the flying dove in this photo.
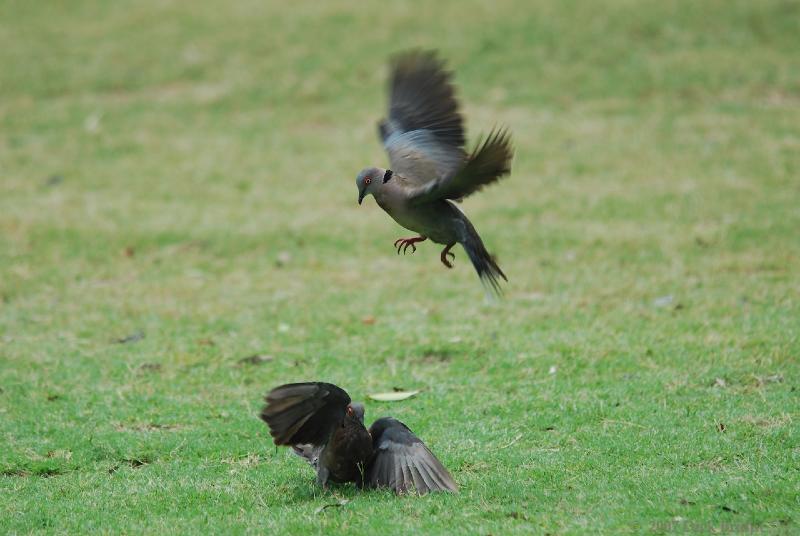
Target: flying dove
(424, 138)
(321, 425)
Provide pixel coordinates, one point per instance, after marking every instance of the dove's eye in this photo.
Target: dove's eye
(350, 410)
(367, 180)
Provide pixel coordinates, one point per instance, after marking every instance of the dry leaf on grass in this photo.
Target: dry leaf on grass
(393, 396)
(133, 337)
(255, 359)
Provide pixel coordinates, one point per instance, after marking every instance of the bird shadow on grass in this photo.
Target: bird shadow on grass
(307, 491)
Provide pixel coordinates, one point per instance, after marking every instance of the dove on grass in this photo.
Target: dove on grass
(424, 138)
(321, 425)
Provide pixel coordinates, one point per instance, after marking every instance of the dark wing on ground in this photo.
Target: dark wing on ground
(402, 462)
(304, 413)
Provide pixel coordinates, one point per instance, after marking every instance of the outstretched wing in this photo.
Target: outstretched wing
(402, 462)
(304, 413)
(423, 133)
(490, 161)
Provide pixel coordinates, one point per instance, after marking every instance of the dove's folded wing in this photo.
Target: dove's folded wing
(402, 462)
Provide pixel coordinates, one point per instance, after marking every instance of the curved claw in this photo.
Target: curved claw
(445, 254)
(404, 243)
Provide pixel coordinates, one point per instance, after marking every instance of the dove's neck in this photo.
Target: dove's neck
(390, 197)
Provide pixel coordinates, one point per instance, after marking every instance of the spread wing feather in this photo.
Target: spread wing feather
(489, 162)
(304, 413)
(402, 461)
(423, 133)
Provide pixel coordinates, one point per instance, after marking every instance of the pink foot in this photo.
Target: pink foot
(445, 254)
(403, 243)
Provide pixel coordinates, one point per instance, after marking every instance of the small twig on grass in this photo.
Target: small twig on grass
(341, 502)
(519, 436)
(628, 423)
(176, 449)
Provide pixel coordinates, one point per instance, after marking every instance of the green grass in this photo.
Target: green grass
(186, 170)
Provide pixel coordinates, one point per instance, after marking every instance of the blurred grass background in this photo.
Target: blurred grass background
(182, 174)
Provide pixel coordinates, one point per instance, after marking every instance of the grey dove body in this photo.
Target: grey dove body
(424, 138)
(440, 221)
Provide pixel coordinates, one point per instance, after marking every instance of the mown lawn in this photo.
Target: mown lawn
(180, 175)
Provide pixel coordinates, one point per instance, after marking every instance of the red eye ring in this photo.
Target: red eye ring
(367, 180)
(350, 410)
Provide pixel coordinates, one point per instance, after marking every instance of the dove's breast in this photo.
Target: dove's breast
(437, 221)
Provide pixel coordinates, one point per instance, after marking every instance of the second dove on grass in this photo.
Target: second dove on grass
(424, 138)
(321, 424)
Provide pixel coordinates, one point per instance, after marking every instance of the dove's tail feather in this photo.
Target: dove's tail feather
(484, 263)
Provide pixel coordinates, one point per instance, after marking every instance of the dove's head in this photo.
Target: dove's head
(356, 411)
(370, 180)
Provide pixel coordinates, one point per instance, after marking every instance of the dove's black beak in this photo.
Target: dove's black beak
(361, 196)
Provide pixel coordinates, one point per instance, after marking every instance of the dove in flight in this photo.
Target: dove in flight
(424, 138)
